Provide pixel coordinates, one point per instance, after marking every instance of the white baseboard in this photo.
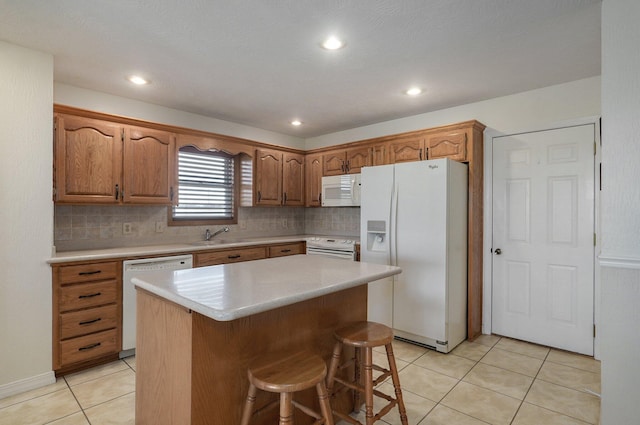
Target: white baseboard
(27, 384)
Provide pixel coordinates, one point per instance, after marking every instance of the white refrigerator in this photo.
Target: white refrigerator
(414, 215)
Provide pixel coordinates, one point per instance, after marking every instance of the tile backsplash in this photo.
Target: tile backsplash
(80, 227)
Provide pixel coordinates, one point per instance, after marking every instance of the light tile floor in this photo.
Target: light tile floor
(492, 380)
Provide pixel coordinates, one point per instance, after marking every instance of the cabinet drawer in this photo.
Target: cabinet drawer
(288, 249)
(75, 297)
(89, 346)
(88, 321)
(88, 272)
(230, 256)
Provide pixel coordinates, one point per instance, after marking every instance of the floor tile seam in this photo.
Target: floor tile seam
(462, 413)
(561, 413)
(106, 401)
(65, 416)
(126, 369)
(573, 367)
(35, 398)
(512, 371)
(583, 391)
(515, 352)
(514, 415)
(443, 374)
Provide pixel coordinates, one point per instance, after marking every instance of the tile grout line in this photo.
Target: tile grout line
(77, 401)
(530, 385)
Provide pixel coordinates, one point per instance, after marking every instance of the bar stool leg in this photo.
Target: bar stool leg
(333, 367)
(357, 356)
(396, 384)
(325, 406)
(248, 405)
(286, 409)
(368, 385)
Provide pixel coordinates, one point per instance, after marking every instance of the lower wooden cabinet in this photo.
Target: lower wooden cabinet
(287, 249)
(87, 303)
(226, 256)
(87, 314)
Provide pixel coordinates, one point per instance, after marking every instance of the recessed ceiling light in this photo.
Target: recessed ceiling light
(296, 123)
(333, 43)
(136, 79)
(414, 91)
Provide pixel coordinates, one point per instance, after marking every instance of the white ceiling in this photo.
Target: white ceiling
(258, 62)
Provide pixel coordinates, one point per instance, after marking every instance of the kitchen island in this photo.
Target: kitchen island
(199, 329)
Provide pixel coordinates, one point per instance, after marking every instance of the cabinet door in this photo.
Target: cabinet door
(268, 178)
(451, 145)
(229, 256)
(292, 179)
(358, 158)
(379, 154)
(148, 166)
(333, 163)
(313, 180)
(406, 149)
(88, 160)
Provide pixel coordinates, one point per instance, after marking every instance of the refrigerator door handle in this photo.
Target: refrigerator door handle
(393, 225)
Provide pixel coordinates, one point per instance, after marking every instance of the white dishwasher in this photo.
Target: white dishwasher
(137, 268)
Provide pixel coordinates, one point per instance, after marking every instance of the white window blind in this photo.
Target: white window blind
(205, 185)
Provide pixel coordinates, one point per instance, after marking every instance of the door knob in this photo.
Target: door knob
(498, 251)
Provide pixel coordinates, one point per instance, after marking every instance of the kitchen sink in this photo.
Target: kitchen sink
(214, 242)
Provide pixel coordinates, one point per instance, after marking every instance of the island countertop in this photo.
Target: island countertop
(231, 291)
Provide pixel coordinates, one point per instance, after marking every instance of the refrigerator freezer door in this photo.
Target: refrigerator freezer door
(375, 233)
(420, 291)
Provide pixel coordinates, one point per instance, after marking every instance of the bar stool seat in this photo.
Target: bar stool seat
(364, 336)
(287, 373)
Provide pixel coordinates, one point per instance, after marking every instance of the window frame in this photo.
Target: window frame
(171, 221)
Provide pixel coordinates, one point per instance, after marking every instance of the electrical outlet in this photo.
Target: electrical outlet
(243, 225)
(284, 223)
(160, 226)
(126, 228)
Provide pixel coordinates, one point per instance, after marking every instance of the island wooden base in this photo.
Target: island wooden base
(193, 370)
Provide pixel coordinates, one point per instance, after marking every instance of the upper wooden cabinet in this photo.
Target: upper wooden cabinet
(313, 179)
(448, 144)
(148, 163)
(268, 177)
(88, 160)
(102, 162)
(292, 179)
(406, 149)
(343, 161)
(279, 178)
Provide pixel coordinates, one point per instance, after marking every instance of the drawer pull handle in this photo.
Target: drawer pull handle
(97, 294)
(89, 347)
(90, 273)
(232, 257)
(285, 250)
(88, 322)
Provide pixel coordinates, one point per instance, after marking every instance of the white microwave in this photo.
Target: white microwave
(341, 191)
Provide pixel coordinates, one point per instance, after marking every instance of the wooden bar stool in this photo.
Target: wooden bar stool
(285, 374)
(366, 335)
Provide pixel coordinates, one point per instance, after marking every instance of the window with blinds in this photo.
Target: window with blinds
(206, 181)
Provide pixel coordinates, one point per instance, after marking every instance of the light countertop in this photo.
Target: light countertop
(231, 291)
(177, 248)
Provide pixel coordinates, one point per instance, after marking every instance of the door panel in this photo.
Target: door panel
(543, 226)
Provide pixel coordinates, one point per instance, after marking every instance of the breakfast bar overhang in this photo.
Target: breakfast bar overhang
(198, 330)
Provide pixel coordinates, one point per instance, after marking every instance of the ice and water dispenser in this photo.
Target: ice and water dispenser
(377, 236)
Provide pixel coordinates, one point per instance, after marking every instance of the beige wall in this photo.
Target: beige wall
(508, 114)
(26, 217)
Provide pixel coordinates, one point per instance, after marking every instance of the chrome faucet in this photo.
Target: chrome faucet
(208, 235)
